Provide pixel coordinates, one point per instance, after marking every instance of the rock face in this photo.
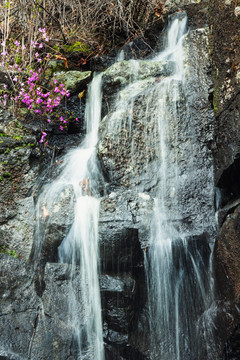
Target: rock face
(19, 168)
(224, 37)
(34, 325)
(224, 44)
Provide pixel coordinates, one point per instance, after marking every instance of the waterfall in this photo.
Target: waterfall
(79, 176)
(147, 130)
(178, 264)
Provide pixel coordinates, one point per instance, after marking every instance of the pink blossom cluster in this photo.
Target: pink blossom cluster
(38, 99)
(43, 140)
(27, 84)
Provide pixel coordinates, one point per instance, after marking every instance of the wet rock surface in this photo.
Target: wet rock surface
(34, 326)
(224, 35)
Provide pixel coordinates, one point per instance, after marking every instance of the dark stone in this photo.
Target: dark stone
(227, 258)
(232, 347)
(227, 283)
(30, 327)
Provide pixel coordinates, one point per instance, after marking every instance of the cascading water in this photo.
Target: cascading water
(79, 249)
(178, 265)
(147, 121)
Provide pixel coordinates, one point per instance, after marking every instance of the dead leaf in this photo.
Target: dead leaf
(80, 95)
(62, 58)
(83, 61)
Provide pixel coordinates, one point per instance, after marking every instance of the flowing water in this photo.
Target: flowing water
(178, 260)
(79, 176)
(178, 266)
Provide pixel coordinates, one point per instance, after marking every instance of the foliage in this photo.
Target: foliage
(5, 250)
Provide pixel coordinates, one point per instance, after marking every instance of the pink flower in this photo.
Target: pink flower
(4, 53)
(39, 101)
(17, 43)
(36, 54)
(3, 43)
(40, 46)
(61, 118)
(15, 79)
(5, 86)
(56, 90)
(61, 127)
(76, 119)
(55, 81)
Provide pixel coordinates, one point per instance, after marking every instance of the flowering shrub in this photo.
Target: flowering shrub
(26, 86)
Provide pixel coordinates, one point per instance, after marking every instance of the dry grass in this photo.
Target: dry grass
(97, 23)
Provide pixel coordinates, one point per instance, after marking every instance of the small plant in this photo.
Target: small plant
(5, 250)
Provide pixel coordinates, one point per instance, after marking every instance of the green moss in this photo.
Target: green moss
(215, 100)
(16, 137)
(5, 250)
(55, 47)
(7, 174)
(77, 47)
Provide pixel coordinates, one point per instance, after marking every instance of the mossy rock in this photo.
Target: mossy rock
(54, 66)
(74, 81)
(122, 73)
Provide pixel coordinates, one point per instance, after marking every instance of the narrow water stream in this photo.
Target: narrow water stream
(179, 265)
(79, 249)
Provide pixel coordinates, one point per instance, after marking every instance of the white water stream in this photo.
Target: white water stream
(179, 270)
(79, 249)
